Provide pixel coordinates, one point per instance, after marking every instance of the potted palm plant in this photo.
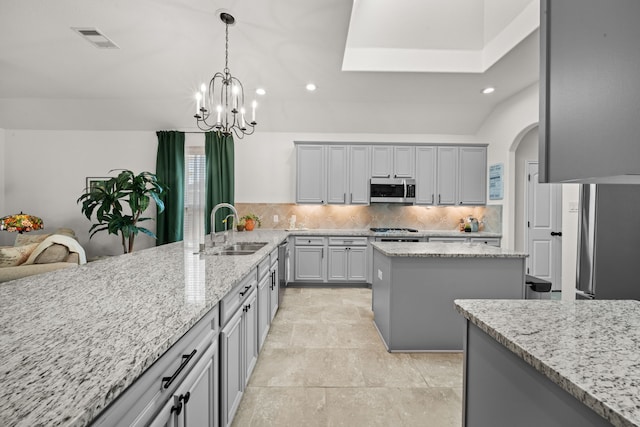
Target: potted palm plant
(108, 200)
(250, 221)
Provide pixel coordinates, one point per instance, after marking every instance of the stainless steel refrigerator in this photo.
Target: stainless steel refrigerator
(609, 242)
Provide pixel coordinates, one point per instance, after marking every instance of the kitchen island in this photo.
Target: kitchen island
(73, 340)
(551, 363)
(415, 284)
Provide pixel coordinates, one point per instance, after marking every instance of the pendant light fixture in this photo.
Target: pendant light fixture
(220, 106)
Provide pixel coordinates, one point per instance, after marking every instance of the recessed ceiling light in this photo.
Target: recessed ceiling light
(488, 90)
(260, 91)
(311, 87)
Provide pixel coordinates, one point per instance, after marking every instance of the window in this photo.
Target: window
(194, 195)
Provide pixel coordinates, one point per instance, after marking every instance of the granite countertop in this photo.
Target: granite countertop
(71, 341)
(444, 250)
(591, 349)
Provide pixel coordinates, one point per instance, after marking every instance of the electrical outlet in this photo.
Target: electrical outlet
(276, 219)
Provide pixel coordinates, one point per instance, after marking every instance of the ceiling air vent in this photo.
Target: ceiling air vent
(96, 38)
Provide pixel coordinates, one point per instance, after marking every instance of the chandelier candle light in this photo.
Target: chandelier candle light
(226, 93)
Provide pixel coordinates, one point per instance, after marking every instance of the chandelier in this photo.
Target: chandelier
(224, 97)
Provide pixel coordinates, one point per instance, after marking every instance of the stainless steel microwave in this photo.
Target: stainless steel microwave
(393, 190)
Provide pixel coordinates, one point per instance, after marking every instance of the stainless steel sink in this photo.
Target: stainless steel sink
(243, 248)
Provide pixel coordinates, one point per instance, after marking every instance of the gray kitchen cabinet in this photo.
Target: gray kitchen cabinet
(491, 241)
(332, 174)
(195, 402)
(359, 166)
(392, 161)
(310, 264)
(403, 161)
(381, 161)
(425, 175)
(190, 366)
(337, 174)
(310, 174)
(462, 175)
(264, 308)
(448, 239)
(347, 259)
(231, 372)
(238, 344)
(472, 175)
(275, 287)
(447, 176)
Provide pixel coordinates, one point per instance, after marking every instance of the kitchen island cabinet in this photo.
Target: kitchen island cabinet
(415, 284)
(551, 363)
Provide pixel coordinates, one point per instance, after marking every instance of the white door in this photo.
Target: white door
(544, 233)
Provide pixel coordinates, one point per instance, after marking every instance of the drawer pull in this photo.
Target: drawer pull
(246, 288)
(168, 380)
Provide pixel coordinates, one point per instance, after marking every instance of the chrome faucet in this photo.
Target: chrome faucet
(213, 218)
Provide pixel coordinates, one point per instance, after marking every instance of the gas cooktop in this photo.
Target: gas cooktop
(393, 230)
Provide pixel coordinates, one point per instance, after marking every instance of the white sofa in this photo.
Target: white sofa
(40, 253)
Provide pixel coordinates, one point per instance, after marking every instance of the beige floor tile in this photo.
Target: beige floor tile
(329, 335)
(383, 369)
(393, 407)
(282, 407)
(324, 364)
(439, 369)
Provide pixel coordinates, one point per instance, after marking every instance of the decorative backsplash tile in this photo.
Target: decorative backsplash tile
(377, 215)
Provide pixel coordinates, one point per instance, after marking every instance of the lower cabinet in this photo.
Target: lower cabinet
(181, 388)
(275, 288)
(347, 259)
(334, 259)
(309, 258)
(239, 353)
(195, 401)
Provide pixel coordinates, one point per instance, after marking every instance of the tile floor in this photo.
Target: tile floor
(323, 364)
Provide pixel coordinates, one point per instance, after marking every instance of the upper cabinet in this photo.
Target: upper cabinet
(589, 91)
(425, 175)
(340, 174)
(461, 176)
(310, 177)
(392, 161)
(333, 174)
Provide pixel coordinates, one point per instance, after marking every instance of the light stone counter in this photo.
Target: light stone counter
(590, 349)
(368, 233)
(444, 250)
(73, 340)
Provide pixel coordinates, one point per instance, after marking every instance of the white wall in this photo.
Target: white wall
(265, 162)
(49, 179)
(504, 128)
(527, 150)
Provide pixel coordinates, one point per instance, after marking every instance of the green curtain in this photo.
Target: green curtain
(220, 184)
(170, 171)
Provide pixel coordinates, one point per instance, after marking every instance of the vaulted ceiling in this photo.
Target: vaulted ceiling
(384, 66)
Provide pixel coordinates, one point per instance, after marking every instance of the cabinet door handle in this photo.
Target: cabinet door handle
(168, 380)
(185, 398)
(438, 198)
(243, 293)
(344, 198)
(177, 408)
(351, 198)
(322, 252)
(431, 198)
(388, 175)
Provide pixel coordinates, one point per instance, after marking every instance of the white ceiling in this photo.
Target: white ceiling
(50, 78)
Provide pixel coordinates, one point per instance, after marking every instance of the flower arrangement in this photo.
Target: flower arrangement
(21, 222)
(250, 220)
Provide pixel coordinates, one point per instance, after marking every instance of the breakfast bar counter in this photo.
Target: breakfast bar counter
(553, 363)
(73, 340)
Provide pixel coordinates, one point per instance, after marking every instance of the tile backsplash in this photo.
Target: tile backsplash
(376, 215)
